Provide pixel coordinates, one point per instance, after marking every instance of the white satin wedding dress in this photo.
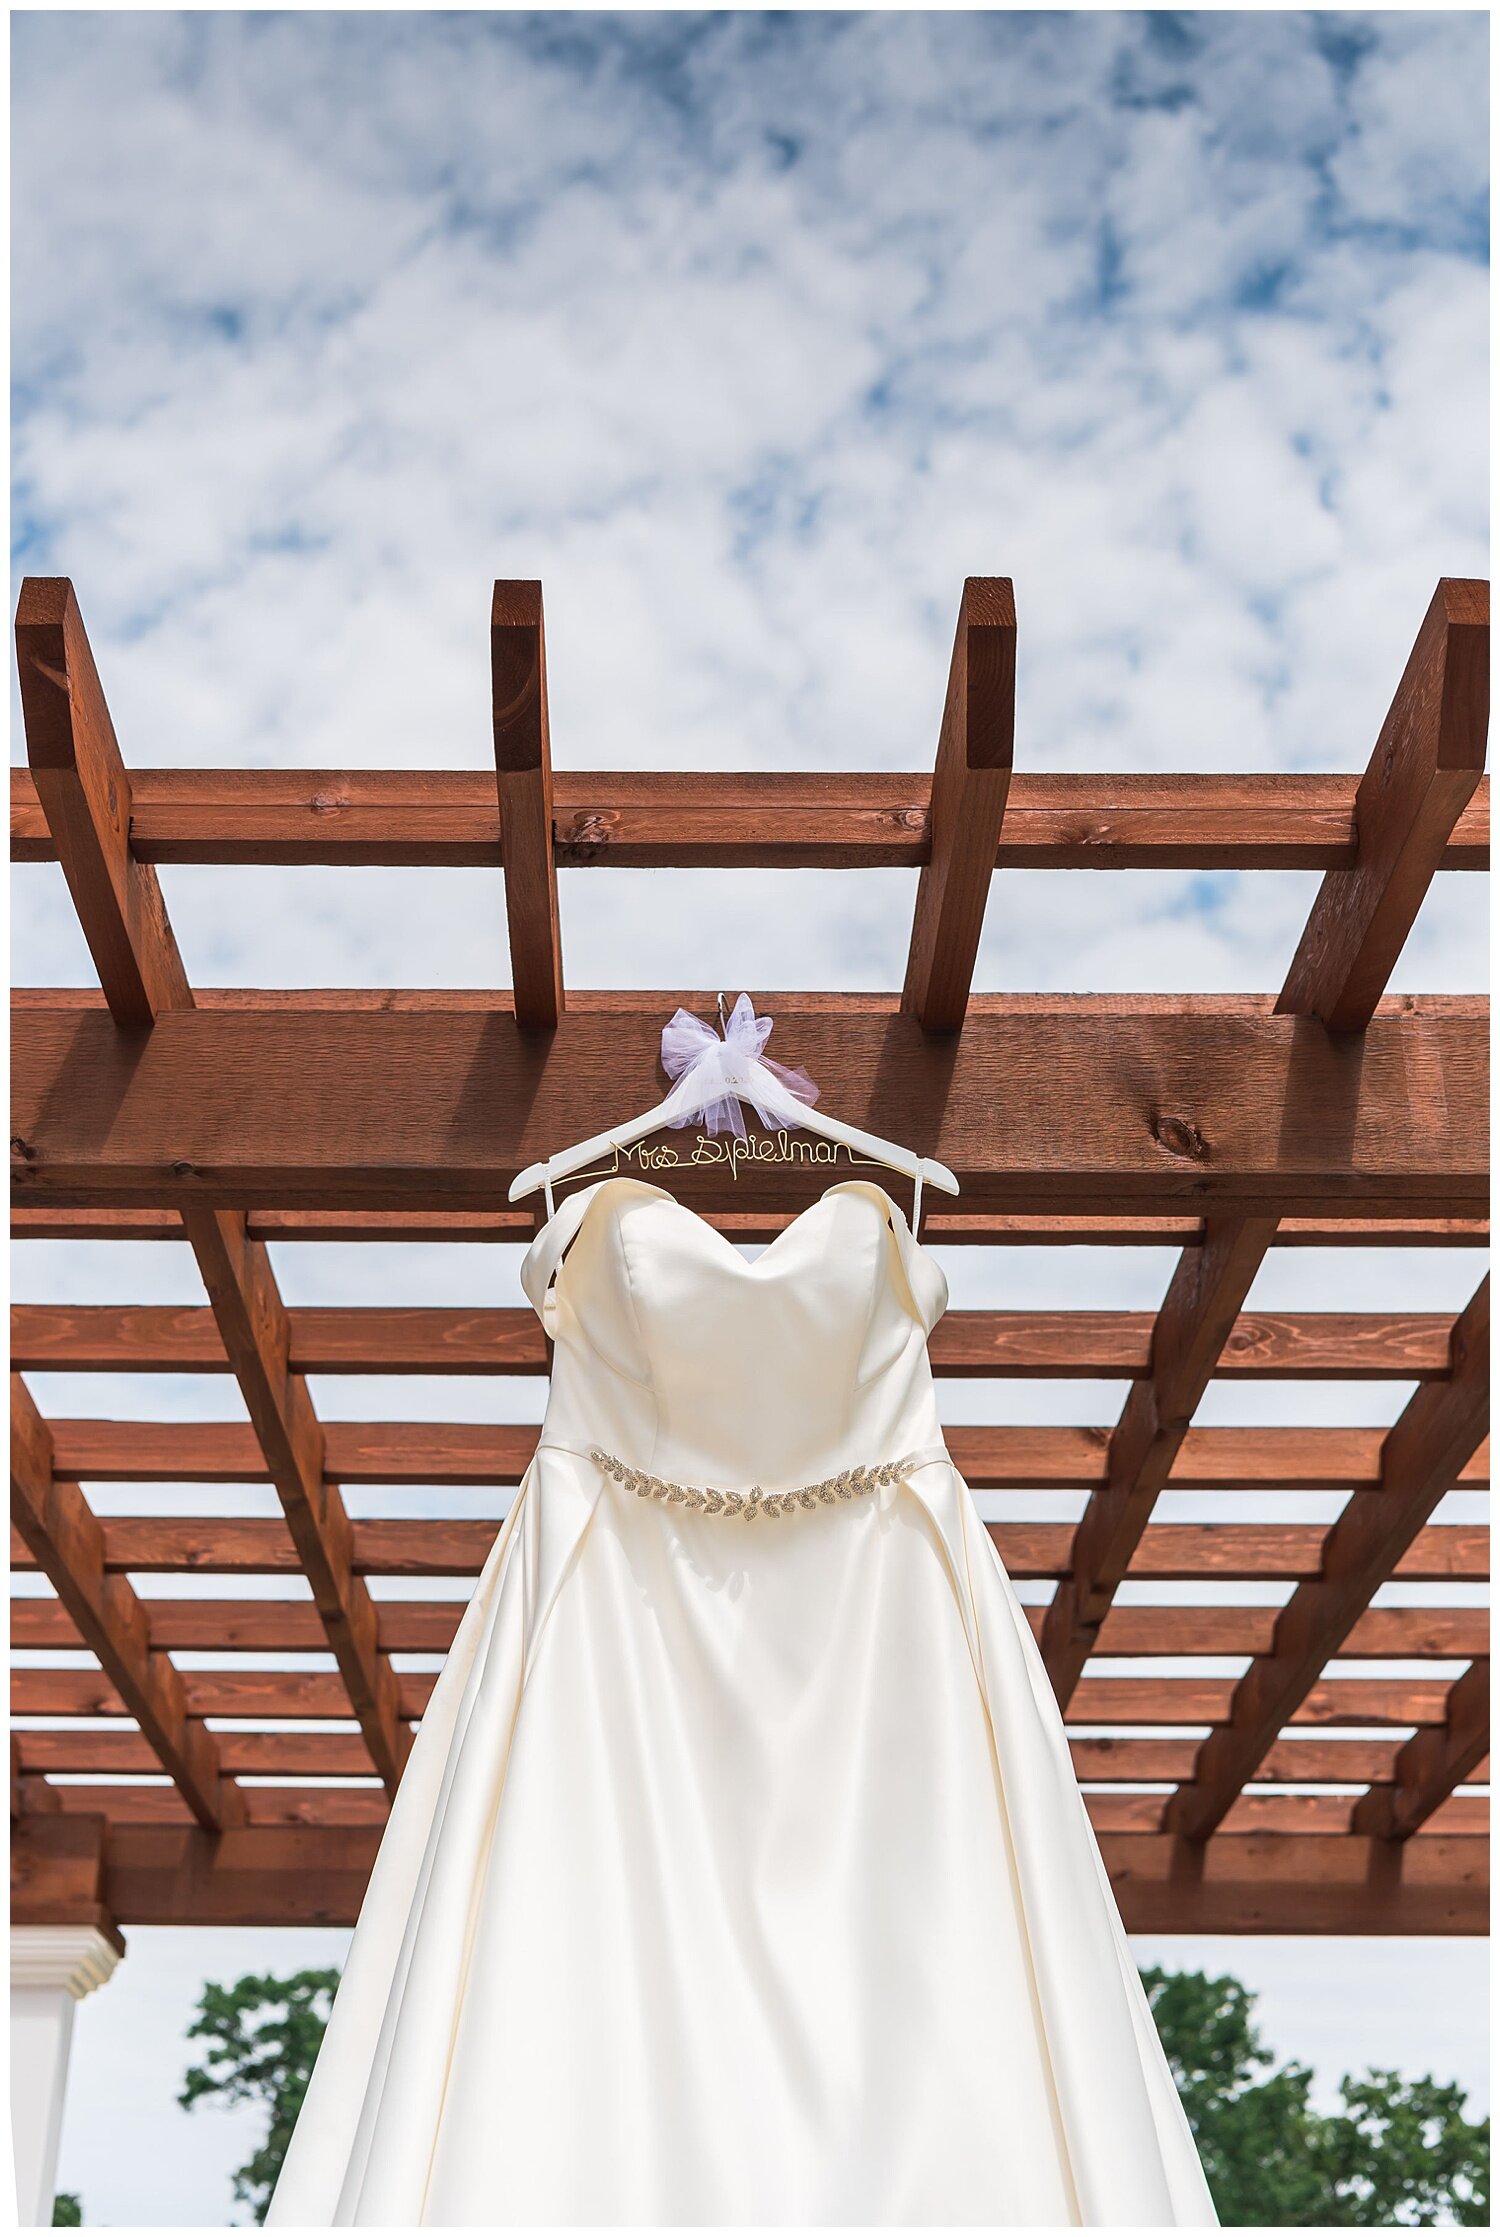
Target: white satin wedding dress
(739, 1873)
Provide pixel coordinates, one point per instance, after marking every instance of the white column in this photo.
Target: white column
(50, 1968)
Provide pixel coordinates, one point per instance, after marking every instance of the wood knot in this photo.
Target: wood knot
(182, 1170)
(1179, 1137)
(328, 803)
(20, 1147)
(911, 819)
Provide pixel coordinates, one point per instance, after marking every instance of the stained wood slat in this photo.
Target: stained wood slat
(1422, 775)
(1051, 1457)
(426, 1627)
(1147, 1446)
(508, 1340)
(1432, 1763)
(46, 1223)
(262, 1694)
(84, 792)
(1110, 1813)
(1444, 1553)
(1038, 1110)
(722, 820)
(1101, 1760)
(1438, 1428)
(970, 784)
(523, 768)
(65, 1539)
(1242, 1884)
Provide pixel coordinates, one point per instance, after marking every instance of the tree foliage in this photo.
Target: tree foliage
(262, 2037)
(1396, 2154)
(67, 2210)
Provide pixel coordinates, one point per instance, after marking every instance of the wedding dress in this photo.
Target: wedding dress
(739, 1873)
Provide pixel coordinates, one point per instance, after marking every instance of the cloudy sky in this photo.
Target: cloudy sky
(751, 336)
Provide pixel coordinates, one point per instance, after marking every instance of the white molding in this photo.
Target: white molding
(75, 1958)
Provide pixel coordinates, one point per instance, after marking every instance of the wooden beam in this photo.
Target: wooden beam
(60, 1224)
(1406, 808)
(1402, 1634)
(286, 1433)
(84, 787)
(260, 1694)
(1433, 1762)
(1245, 1884)
(1422, 1454)
(1070, 1107)
(523, 767)
(971, 781)
(1110, 1811)
(1421, 777)
(710, 819)
(66, 1541)
(59, 1871)
(438, 1546)
(1051, 1457)
(1200, 1310)
(84, 792)
(508, 1340)
(1100, 1759)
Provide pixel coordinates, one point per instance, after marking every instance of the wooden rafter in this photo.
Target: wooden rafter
(1422, 775)
(1405, 1634)
(506, 1340)
(66, 1541)
(970, 783)
(1245, 1884)
(1050, 1457)
(694, 819)
(1433, 1762)
(440, 1546)
(1422, 1456)
(523, 768)
(85, 789)
(1072, 1106)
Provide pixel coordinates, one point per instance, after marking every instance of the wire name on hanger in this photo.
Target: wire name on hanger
(732, 1151)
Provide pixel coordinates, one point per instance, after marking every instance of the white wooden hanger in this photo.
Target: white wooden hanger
(735, 1070)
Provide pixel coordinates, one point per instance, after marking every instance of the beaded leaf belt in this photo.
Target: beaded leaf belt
(851, 1483)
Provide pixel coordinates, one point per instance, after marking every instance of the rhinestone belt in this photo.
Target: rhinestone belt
(852, 1483)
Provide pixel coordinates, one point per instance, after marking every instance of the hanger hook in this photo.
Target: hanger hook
(723, 1027)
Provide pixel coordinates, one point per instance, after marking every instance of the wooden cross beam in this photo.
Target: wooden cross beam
(442, 1546)
(507, 1340)
(1004, 1457)
(85, 789)
(711, 819)
(970, 784)
(1422, 1456)
(1421, 776)
(292, 1693)
(1433, 1762)
(1065, 1106)
(66, 1541)
(523, 768)
(1246, 1884)
(64, 1224)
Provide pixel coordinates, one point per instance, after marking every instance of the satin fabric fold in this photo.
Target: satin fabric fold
(739, 1873)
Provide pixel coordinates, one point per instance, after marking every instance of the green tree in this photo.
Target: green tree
(262, 2036)
(67, 2210)
(1396, 2154)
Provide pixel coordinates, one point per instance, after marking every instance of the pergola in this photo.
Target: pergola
(1225, 1126)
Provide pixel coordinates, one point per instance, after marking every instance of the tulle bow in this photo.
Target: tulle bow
(712, 1075)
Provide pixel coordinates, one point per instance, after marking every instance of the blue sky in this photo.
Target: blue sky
(750, 335)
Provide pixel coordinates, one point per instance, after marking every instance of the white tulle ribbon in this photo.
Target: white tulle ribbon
(713, 1077)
